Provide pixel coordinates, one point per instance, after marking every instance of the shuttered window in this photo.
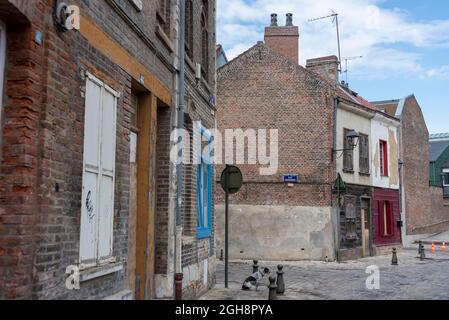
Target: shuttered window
(364, 154)
(348, 159)
(97, 206)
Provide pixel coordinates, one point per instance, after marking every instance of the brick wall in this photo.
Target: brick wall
(415, 155)
(263, 90)
(42, 144)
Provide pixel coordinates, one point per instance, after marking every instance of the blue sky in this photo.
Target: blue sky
(404, 44)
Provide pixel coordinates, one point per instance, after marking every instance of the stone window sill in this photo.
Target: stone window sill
(348, 171)
(364, 174)
(100, 271)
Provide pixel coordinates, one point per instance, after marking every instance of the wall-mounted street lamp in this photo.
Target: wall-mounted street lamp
(352, 137)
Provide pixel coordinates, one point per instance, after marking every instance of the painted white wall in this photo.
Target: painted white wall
(386, 129)
(347, 119)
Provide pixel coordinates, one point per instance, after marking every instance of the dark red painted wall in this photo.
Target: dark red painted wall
(379, 196)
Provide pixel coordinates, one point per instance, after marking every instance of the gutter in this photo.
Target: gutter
(180, 167)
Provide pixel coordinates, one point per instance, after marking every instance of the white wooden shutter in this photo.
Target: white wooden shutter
(97, 211)
(106, 214)
(89, 204)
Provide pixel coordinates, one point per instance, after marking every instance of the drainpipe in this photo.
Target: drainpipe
(180, 169)
(337, 218)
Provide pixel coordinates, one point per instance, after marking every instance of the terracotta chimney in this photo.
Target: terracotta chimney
(327, 67)
(283, 39)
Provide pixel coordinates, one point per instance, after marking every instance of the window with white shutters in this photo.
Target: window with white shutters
(97, 206)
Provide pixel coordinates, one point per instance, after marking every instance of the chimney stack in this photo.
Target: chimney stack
(284, 40)
(274, 20)
(327, 67)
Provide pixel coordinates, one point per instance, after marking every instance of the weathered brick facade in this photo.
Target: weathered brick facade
(423, 207)
(42, 139)
(262, 89)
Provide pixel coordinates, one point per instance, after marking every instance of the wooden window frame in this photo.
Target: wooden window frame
(445, 177)
(383, 158)
(203, 230)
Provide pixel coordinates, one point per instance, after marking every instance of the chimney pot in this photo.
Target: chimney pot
(289, 21)
(274, 20)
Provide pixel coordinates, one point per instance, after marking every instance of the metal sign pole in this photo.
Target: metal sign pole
(227, 229)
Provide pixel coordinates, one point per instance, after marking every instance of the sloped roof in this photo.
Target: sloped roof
(388, 106)
(347, 93)
(436, 149)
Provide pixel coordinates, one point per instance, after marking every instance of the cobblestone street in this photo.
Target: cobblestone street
(411, 279)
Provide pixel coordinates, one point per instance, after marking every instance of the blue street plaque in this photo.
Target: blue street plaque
(291, 178)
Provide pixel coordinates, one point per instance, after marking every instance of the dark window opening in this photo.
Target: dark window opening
(205, 40)
(189, 28)
(163, 15)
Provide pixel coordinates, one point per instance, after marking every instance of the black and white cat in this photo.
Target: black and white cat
(255, 279)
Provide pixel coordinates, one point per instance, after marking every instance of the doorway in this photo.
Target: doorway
(366, 227)
(142, 196)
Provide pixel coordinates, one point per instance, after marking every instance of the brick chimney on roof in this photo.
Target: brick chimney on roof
(283, 39)
(327, 67)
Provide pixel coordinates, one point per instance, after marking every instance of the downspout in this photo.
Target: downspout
(180, 166)
(334, 147)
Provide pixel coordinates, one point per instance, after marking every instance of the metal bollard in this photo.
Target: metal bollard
(255, 266)
(272, 289)
(280, 280)
(422, 255)
(419, 248)
(394, 260)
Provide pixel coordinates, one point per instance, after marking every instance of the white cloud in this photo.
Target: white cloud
(366, 29)
(441, 72)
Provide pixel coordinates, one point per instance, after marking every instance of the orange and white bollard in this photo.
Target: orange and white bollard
(443, 246)
(433, 248)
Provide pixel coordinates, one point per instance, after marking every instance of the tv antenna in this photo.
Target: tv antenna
(346, 64)
(334, 17)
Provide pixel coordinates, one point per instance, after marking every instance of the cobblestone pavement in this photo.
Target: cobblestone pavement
(411, 279)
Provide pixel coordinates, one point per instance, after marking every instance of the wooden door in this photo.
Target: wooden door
(366, 227)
